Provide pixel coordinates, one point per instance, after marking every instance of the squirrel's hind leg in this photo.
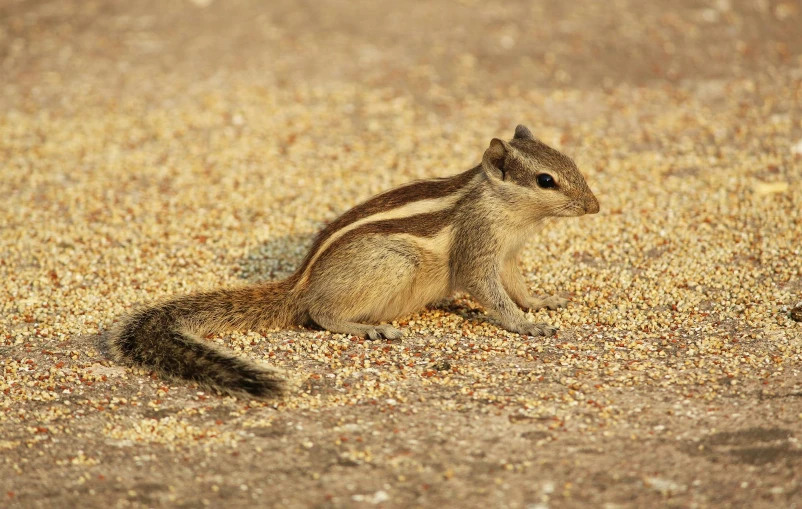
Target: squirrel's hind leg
(369, 279)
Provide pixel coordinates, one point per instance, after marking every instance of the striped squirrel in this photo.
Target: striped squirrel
(381, 260)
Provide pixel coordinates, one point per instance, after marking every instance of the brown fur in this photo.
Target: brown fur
(380, 260)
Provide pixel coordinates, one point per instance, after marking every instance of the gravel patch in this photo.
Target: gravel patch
(150, 150)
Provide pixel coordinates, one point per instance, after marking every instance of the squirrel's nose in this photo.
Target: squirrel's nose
(592, 206)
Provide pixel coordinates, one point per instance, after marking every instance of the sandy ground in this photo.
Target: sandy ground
(154, 148)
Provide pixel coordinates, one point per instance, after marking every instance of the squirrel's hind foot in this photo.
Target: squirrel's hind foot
(372, 332)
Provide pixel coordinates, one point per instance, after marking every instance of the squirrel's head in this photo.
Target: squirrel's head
(531, 176)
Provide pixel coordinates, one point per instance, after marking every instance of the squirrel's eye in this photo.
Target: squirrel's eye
(546, 181)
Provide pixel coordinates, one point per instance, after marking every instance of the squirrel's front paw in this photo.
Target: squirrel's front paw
(534, 329)
(551, 302)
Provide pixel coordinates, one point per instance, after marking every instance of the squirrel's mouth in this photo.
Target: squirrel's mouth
(570, 210)
(578, 208)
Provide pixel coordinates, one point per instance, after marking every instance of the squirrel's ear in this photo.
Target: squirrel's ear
(523, 133)
(494, 159)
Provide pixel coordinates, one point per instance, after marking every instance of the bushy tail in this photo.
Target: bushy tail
(165, 337)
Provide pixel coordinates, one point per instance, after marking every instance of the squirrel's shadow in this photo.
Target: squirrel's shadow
(274, 259)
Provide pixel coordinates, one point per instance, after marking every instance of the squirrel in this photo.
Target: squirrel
(385, 258)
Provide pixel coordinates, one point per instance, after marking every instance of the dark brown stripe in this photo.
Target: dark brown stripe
(518, 173)
(420, 225)
(398, 197)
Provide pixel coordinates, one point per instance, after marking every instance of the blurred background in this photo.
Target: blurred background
(431, 48)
